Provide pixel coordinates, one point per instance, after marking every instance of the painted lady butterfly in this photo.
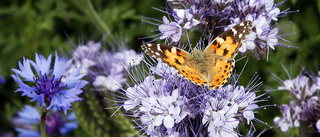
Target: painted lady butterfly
(209, 68)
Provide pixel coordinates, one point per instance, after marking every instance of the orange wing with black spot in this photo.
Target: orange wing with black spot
(223, 50)
(227, 44)
(193, 75)
(209, 68)
(172, 56)
(221, 71)
(178, 59)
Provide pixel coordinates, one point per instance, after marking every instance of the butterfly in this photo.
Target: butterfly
(213, 66)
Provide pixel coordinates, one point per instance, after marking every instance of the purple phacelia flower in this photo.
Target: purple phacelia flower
(185, 17)
(105, 69)
(52, 87)
(285, 122)
(220, 115)
(170, 30)
(56, 123)
(305, 105)
(212, 17)
(318, 125)
(167, 104)
(84, 55)
(263, 14)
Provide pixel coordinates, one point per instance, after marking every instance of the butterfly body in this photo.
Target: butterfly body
(209, 68)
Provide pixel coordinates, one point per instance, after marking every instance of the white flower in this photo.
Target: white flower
(170, 30)
(220, 116)
(248, 43)
(129, 57)
(318, 125)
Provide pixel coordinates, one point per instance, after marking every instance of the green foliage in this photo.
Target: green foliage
(46, 26)
(97, 119)
(318, 4)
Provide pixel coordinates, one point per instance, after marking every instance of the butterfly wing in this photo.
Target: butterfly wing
(228, 43)
(172, 56)
(222, 50)
(178, 59)
(219, 57)
(220, 72)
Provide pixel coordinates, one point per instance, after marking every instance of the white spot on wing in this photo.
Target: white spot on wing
(173, 50)
(234, 31)
(158, 47)
(149, 45)
(240, 35)
(157, 53)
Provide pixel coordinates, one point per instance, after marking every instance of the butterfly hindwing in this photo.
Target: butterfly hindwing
(221, 71)
(193, 75)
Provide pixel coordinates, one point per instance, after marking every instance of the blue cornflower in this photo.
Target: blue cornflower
(56, 123)
(2, 80)
(211, 17)
(305, 105)
(105, 69)
(168, 105)
(55, 87)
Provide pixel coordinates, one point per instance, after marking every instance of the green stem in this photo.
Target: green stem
(87, 8)
(43, 122)
(30, 29)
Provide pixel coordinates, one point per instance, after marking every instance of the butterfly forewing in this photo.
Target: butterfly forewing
(228, 43)
(172, 56)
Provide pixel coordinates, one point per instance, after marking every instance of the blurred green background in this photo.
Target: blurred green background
(46, 26)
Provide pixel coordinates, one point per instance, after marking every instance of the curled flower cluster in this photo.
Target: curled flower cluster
(105, 69)
(305, 106)
(56, 123)
(174, 106)
(55, 87)
(208, 16)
